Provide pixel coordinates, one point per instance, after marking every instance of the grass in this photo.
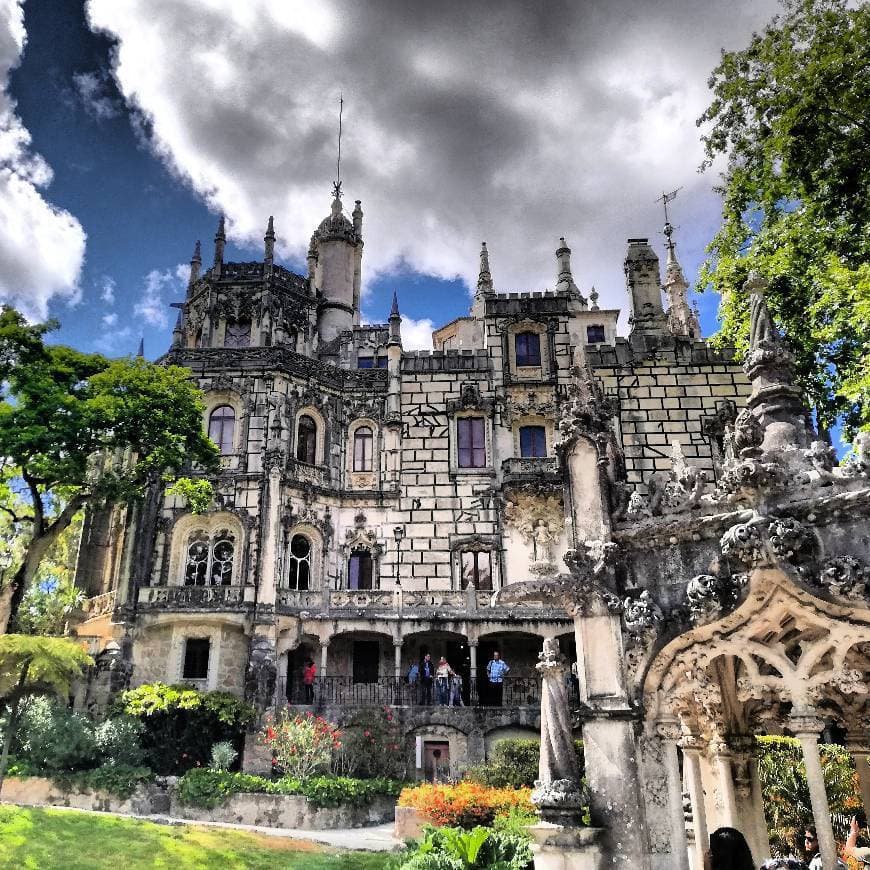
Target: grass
(47, 839)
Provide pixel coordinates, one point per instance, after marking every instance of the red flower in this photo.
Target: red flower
(367, 733)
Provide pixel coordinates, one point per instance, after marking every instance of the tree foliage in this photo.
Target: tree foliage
(791, 114)
(80, 429)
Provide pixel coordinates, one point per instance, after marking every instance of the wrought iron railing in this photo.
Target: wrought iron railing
(396, 691)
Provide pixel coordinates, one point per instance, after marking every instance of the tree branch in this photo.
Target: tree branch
(38, 510)
(16, 517)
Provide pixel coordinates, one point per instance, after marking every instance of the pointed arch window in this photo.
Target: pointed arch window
(221, 428)
(306, 440)
(209, 560)
(528, 349)
(299, 563)
(363, 439)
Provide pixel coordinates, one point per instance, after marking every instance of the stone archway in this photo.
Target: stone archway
(784, 661)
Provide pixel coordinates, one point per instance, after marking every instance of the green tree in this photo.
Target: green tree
(78, 429)
(791, 115)
(29, 664)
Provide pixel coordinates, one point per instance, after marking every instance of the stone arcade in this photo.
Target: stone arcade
(668, 518)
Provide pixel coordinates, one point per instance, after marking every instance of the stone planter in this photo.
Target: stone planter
(289, 811)
(38, 791)
(409, 824)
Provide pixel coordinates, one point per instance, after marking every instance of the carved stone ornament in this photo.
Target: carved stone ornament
(744, 542)
(261, 675)
(641, 615)
(540, 521)
(707, 595)
(857, 463)
(531, 403)
(845, 576)
(787, 538)
(586, 410)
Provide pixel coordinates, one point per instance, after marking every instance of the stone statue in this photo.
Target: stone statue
(543, 542)
(557, 794)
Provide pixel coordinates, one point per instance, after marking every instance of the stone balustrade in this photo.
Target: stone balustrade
(197, 597)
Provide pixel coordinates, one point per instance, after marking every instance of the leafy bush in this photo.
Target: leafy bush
(514, 764)
(117, 779)
(477, 849)
(371, 746)
(786, 793)
(181, 724)
(302, 745)
(222, 756)
(118, 742)
(204, 787)
(54, 738)
(464, 805)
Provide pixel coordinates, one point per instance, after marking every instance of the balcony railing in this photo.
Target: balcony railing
(197, 597)
(396, 691)
(522, 467)
(99, 605)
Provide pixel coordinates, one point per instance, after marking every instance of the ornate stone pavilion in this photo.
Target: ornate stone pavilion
(665, 514)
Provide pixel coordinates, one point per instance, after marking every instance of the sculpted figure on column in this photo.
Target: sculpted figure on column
(557, 793)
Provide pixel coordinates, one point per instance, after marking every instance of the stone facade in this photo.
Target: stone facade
(661, 511)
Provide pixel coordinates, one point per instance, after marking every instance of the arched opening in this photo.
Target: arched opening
(306, 440)
(209, 559)
(299, 563)
(221, 428)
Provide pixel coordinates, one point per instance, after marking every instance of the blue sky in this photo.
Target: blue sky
(146, 121)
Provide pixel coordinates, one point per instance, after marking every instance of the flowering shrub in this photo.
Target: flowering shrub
(301, 745)
(371, 746)
(463, 805)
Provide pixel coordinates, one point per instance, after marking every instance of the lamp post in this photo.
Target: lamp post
(398, 534)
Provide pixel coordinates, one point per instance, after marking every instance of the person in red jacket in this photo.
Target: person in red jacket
(309, 672)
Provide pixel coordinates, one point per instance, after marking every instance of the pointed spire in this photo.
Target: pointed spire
(682, 320)
(140, 353)
(395, 322)
(178, 329)
(565, 280)
(484, 277)
(195, 264)
(269, 239)
(220, 241)
(312, 259)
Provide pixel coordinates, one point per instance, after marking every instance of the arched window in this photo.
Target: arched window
(209, 560)
(299, 563)
(196, 566)
(221, 427)
(533, 442)
(362, 449)
(237, 333)
(528, 349)
(306, 440)
(360, 574)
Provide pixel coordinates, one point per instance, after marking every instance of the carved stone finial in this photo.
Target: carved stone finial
(484, 277)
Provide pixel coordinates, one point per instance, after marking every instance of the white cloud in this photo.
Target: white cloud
(463, 122)
(110, 319)
(107, 290)
(92, 89)
(41, 246)
(115, 342)
(153, 304)
(417, 334)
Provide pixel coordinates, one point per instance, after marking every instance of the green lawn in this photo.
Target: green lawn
(68, 840)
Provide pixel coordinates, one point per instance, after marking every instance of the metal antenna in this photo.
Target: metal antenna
(337, 186)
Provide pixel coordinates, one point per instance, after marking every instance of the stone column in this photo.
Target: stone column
(861, 755)
(397, 663)
(268, 560)
(472, 674)
(722, 759)
(670, 733)
(692, 766)
(807, 727)
(324, 650)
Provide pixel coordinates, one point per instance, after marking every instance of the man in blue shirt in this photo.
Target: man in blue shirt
(495, 672)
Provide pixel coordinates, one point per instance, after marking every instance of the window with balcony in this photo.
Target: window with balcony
(476, 568)
(360, 573)
(299, 563)
(533, 442)
(237, 333)
(306, 440)
(528, 349)
(209, 560)
(471, 442)
(595, 333)
(221, 428)
(196, 655)
(363, 439)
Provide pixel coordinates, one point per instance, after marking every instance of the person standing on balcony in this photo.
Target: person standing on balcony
(495, 672)
(309, 672)
(456, 691)
(443, 675)
(427, 677)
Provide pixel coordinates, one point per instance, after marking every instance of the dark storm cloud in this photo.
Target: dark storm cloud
(514, 122)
